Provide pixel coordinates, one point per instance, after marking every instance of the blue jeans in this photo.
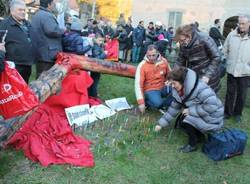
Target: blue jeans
(159, 98)
(136, 53)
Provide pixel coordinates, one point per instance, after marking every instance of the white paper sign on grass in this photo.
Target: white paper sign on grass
(118, 104)
(79, 115)
(101, 111)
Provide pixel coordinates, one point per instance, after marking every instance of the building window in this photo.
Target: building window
(174, 19)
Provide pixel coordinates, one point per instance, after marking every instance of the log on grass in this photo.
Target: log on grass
(49, 83)
(98, 65)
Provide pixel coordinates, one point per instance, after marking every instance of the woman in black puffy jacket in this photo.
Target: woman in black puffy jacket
(199, 52)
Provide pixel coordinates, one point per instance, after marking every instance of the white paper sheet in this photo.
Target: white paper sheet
(80, 115)
(118, 104)
(101, 111)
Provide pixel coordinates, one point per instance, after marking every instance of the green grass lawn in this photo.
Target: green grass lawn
(127, 151)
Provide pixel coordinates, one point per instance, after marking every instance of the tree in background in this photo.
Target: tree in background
(110, 9)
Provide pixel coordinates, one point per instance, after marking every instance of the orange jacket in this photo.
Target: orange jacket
(150, 76)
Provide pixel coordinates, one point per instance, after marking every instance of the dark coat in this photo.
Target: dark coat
(19, 42)
(123, 40)
(202, 56)
(214, 33)
(73, 42)
(98, 52)
(2, 55)
(206, 111)
(129, 29)
(108, 31)
(151, 37)
(48, 35)
(138, 36)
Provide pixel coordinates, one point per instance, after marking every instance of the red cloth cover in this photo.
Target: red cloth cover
(47, 137)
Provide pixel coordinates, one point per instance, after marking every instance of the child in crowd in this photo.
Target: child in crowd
(99, 53)
(73, 41)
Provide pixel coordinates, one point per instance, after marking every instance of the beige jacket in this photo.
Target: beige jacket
(237, 53)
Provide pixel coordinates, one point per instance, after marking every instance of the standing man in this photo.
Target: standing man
(236, 50)
(18, 42)
(215, 33)
(129, 29)
(49, 35)
(138, 39)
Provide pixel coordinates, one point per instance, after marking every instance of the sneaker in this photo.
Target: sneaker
(238, 119)
(187, 148)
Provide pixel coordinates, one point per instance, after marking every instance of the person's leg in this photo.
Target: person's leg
(138, 54)
(192, 138)
(128, 56)
(241, 95)
(191, 132)
(166, 93)
(153, 98)
(134, 52)
(92, 90)
(24, 71)
(121, 55)
(230, 95)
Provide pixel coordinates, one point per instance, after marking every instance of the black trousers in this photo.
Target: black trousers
(24, 71)
(235, 95)
(194, 135)
(92, 90)
(43, 66)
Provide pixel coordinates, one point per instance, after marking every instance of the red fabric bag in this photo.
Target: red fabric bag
(16, 98)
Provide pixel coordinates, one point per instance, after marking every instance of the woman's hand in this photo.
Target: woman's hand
(158, 128)
(185, 112)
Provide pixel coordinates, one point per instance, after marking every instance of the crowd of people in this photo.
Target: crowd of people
(190, 87)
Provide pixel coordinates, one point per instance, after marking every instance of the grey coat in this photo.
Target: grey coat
(205, 108)
(48, 35)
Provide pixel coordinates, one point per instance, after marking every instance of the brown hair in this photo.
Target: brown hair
(185, 30)
(178, 74)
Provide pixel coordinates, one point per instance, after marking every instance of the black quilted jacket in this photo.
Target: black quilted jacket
(202, 56)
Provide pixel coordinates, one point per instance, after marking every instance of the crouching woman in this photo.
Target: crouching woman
(202, 110)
